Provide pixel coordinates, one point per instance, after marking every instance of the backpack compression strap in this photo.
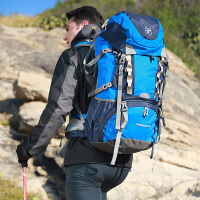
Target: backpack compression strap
(102, 88)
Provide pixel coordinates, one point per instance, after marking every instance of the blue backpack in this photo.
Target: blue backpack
(125, 116)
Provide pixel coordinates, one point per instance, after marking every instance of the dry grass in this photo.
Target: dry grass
(16, 20)
(8, 191)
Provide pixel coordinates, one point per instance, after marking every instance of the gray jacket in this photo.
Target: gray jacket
(70, 86)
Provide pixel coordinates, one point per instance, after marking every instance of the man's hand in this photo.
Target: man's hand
(22, 155)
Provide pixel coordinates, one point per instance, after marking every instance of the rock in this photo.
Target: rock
(194, 190)
(12, 170)
(183, 188)
(177, 100)
(6, 90)
(36, 186)
(30, 114)
(184, 197)
(130, 191)
(32, 87)
(40, 171)
(31, 48)
(175, 159)
(11, 106)
(8, 74)
(177, 170)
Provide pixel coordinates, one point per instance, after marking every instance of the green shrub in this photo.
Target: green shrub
(180, 21)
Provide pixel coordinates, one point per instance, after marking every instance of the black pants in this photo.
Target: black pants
(92, 181)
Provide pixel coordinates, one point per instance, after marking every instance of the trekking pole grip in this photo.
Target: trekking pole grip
(24, 183)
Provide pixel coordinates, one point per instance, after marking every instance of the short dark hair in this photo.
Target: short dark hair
(86, 13)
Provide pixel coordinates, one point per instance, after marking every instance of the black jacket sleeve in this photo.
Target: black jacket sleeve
(61, 100)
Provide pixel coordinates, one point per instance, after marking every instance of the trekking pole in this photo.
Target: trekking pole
(24, 183)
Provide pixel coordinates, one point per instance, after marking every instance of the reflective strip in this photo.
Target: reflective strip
(102, 88)
(119, 94)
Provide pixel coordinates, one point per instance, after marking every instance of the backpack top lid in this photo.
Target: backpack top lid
(135, 34)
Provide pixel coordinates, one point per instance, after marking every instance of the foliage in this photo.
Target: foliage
(180, 21)
(8, 190)
(56, 17)
(6, 120)
(50, 22)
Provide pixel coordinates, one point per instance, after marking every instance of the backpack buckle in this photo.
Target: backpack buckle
(107, 51)
(124, 106)
(122, 60)
(106, 86)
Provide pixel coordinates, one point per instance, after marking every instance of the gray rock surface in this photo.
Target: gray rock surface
(31, 48)
(176, 173)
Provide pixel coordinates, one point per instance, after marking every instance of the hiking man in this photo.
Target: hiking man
(89, 174)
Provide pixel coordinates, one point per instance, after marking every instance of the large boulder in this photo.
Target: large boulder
(31, 48)
(31, 86)
(7, 77)
(30, 114)
(176, 172)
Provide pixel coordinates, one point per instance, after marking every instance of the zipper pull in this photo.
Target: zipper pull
(145, 111)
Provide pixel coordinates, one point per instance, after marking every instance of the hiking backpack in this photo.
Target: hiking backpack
(125, 116)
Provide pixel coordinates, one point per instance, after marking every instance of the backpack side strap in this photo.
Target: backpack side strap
(119, 94)
(119, 134)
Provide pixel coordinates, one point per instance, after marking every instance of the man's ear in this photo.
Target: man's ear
(85, 22)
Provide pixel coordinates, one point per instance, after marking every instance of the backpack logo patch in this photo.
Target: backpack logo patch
(148, 31)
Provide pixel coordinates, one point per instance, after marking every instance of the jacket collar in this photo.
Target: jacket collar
(90, 32)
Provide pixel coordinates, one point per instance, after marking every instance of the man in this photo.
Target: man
(89, 174)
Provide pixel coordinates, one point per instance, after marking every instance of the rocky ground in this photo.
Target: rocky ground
(27, 60)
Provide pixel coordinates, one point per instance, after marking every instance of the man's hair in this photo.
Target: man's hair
(88, 13)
